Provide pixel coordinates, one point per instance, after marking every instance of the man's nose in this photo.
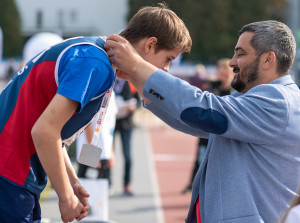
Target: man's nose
(232, 62)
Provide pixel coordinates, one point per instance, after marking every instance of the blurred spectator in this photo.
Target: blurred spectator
(127, 100)
(221, 83)
(11, 69)
(221, 86)
(198, 79)
(7, 71)
(224, 76)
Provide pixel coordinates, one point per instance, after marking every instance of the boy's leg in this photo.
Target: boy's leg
(18, 204)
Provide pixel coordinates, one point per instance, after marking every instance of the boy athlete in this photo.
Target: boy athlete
(53, 98)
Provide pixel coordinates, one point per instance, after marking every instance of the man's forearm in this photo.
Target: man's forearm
(139, 74)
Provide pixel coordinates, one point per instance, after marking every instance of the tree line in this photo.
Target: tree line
(214, 24)
(10, 24)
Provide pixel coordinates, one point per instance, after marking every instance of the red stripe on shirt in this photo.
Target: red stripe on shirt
(198, 211)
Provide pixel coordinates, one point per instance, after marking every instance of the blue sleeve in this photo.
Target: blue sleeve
(84, 73)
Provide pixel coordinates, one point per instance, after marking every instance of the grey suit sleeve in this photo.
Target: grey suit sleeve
(175, 123)
(262, 111)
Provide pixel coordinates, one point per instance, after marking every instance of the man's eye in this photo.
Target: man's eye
(240, 54)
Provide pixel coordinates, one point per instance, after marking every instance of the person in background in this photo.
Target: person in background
(11, 69)
(251, 169)
(225, 76)
(52, 99)
(128, 101)
(8, 74)
(197, 80)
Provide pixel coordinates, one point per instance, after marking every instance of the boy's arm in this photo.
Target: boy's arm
(47, 140)
(78, 189)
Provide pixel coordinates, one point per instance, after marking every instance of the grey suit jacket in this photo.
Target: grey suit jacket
(252, 167)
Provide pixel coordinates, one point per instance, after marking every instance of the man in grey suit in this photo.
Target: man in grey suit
(252, 166)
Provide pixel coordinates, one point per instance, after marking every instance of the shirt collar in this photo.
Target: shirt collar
(284, 80)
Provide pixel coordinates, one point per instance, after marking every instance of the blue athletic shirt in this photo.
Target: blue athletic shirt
(78, 69)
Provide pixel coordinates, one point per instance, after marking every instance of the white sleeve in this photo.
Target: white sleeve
(293, 215)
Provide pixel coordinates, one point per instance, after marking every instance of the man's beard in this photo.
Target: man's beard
(249, 72)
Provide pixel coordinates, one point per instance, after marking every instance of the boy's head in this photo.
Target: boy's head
(161, 23)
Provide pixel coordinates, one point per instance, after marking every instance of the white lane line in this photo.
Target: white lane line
(153, 174)
(173, 157)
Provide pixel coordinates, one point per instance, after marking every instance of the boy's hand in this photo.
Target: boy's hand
(70, 208)
(82, 195)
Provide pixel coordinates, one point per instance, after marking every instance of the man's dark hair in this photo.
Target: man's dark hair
(273, 36)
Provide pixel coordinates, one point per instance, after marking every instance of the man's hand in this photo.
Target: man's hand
(121, 53)
(82, 195)
(122, 75)
(131, 65)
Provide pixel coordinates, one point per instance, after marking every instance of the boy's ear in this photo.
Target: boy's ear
(150, 44)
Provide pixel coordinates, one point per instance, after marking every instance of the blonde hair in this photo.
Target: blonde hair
(162, 23)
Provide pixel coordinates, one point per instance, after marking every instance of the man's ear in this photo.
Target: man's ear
(150, 44)
(269, 60)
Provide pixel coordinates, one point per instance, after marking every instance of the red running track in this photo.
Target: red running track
(174, 155)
